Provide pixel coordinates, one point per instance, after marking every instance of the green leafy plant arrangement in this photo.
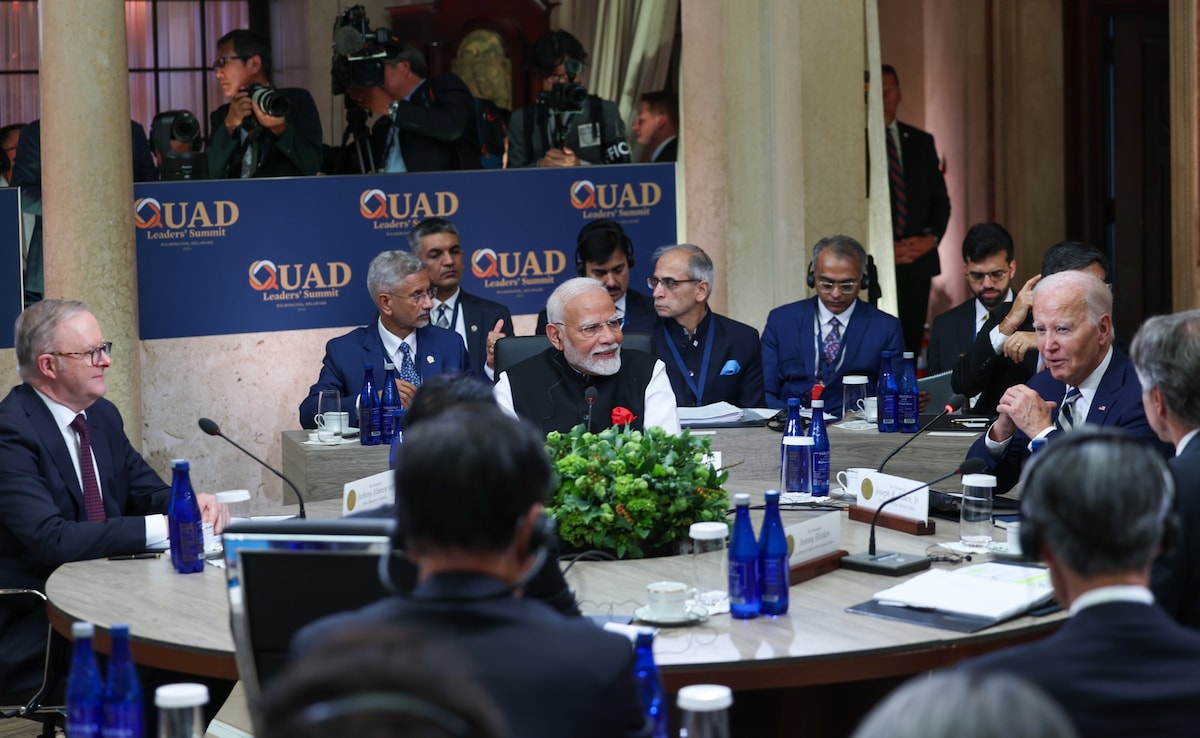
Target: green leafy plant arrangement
(629, 492)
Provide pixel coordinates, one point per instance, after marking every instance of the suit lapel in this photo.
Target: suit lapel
(1109, 390)
(428, 360)
(472, 313)
(52, 440)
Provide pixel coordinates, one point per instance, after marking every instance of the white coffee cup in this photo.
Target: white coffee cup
(330, 426)
(870, 406)
(851, 478)
(667, 600)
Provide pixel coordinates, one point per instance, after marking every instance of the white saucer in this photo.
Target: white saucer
(693, 614)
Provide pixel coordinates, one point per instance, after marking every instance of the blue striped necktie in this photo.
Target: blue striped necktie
(1066, 413)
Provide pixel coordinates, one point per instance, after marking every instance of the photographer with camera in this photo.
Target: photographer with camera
(262, 131)
(566, 127)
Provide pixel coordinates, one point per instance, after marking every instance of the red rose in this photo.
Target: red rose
(622, 416)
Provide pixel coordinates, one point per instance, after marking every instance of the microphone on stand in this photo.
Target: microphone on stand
(894, 564)
(589, 396)
(955, 402)
(211, 428)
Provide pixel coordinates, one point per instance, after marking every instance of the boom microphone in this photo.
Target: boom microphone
(211, 428)
(894, 564)
(589, 396)
(955, 402)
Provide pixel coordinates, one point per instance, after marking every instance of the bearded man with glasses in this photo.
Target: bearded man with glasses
(815, 342)
(585, 377)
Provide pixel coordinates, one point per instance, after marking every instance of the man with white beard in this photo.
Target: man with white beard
(553, 390)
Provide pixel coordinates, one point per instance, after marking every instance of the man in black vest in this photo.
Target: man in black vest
(554, 388)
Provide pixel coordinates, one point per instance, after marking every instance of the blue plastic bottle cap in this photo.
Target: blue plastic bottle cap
(793, 402)
(181, 695)
(119, 630)
(82, 630)
(705, 698)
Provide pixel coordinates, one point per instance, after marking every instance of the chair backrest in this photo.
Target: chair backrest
(515, 349)
(285, 574)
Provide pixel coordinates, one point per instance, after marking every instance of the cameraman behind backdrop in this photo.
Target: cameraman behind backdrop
(566, 127)
(262, 131)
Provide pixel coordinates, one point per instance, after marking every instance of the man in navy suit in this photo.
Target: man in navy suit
(1087, 380)
(478, 321)
(824, 338)
(1097, 507)
(709, 358)
(402, 336)
(1166, 354)
(989, 266)
(656, 127)
(604, 253)
(920, 211)
(71, 485)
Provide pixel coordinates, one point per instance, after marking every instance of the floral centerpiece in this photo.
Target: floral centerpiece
(631, 492)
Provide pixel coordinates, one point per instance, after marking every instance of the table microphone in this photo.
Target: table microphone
(589, 396)
(211, 428)
(894, 564)
(955, 402)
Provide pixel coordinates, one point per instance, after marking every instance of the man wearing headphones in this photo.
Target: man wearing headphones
(470, 486)
(1166, 354)
(822, 339)
(603, 252)
(1098, 507)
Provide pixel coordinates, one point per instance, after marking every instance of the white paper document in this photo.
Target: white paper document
(718, 412)
(990, 590)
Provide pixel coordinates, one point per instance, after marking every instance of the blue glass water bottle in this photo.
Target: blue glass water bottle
(389, 400)
(820, 450)
(793, 468)
(85, 690)
(650, 689)
(745, 599)
(369, 421)
(888, 393)
(184, 525)
(908, 402)
(773, 571)
(123, 716)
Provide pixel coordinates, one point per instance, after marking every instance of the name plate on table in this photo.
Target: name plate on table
(369, 493)
(872, 489)
(813, 538)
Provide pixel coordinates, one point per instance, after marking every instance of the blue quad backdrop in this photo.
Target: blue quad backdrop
(10, 275)
(241, 256)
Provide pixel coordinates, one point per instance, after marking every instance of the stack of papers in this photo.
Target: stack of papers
(994, 590)
(718, 412)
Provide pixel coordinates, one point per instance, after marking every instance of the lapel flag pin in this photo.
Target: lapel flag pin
(428, 359)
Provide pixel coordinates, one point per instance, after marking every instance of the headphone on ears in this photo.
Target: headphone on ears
(864, 281)
(613, 230)
(1031, 514)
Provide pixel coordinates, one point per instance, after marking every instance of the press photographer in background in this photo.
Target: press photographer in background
(566, 127)
(175, 139)
(261, 131)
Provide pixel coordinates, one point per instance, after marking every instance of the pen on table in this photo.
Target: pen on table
(135, 557)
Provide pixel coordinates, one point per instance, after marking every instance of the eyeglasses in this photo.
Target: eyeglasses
(668, 282)
(419, 297)
(846, 287)
(94, 354)
(978, 277)
(591, 329)
(221, 61)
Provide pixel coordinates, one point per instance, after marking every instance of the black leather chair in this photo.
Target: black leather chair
(33, 706)
(515, 349)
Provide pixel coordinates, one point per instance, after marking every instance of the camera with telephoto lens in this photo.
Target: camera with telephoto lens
(268, 99)
(358, 51)
(178, 127)
(564, 97)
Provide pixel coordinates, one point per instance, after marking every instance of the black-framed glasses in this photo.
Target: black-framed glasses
(221, 61)
(591, 329)
(846, 287)
(94, 354)
(419, 297)
(978, 277)
(668, 282)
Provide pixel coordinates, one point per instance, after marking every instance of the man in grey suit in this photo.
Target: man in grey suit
(480, 322)
(1166, 355)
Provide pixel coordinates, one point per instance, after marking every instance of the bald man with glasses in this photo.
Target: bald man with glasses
(820, 340)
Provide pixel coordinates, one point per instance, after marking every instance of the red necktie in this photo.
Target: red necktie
(92, 503)
(896, 180)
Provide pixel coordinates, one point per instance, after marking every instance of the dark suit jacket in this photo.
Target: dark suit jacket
(640, 315)
(479, 317)
(789, 351)
(670, 152)
(952, 335)
(435, 128)
(42, 519)
(1117, 404)
(925, 193)
(1175, 578)
(734, 368)
(550, 675)
(297, 152)
(439, 351)
(981, 371)
(1117, 669)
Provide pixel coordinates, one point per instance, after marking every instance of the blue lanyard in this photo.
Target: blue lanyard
(697, 389)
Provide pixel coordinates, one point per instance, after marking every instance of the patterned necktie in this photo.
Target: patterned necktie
(1066, 413)
(833, 341)
(92, 504)
(408, 371)
(443, 319)
(896, 179)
